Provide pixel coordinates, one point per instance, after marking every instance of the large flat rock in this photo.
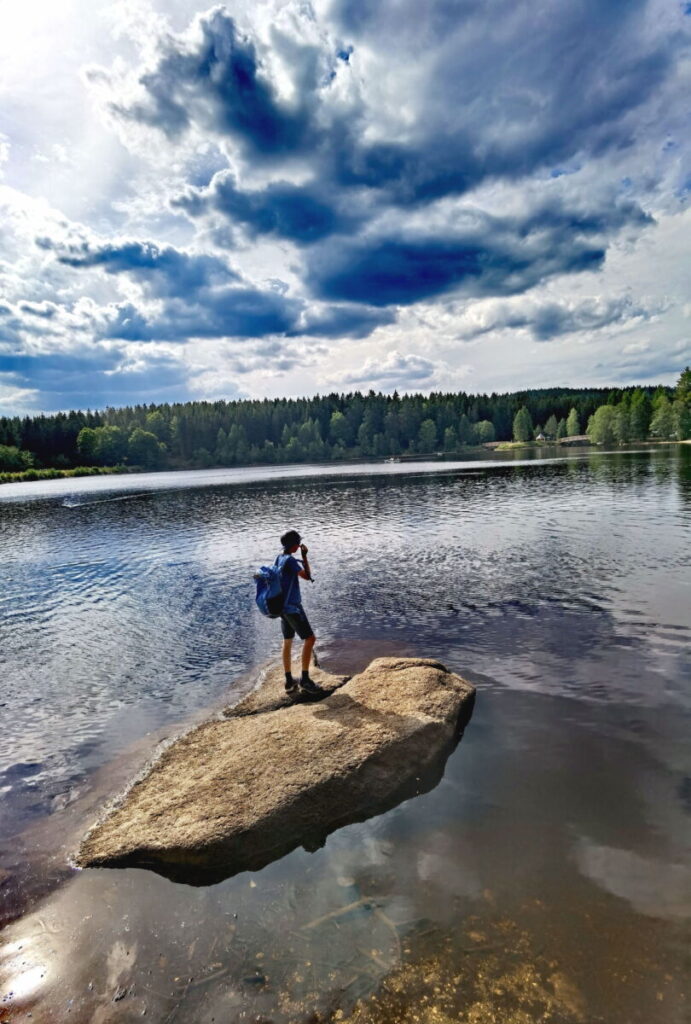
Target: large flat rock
(269, 693)
(235, 794)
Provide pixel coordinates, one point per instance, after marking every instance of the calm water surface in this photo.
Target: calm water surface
(552, 862)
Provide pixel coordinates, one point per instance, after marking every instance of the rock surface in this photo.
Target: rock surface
(269, 694)
(233, 795)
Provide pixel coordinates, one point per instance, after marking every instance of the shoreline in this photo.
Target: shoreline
(463, 454)
(29, 476)
(47, 848)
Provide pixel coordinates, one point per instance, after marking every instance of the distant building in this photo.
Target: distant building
(540, 437)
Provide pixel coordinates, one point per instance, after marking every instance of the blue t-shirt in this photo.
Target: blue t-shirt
(292, 601)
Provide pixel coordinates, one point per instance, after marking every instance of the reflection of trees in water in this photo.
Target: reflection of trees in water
(683, 474)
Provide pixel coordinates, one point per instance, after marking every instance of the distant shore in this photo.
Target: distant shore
(32, 475)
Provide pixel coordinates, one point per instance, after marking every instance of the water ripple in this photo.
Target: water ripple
(122, 611)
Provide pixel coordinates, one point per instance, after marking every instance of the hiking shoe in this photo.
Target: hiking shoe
(310, 688)
(291, 687)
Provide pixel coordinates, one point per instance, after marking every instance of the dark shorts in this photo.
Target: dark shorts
(295, 622)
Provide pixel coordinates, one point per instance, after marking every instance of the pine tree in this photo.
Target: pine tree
(683, 388)
(622, 423)
(641, 413)
(551, 427)
(464, 430)
(682, 405)
(334, 425)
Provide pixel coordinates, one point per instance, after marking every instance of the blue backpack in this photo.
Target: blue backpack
(269, 595)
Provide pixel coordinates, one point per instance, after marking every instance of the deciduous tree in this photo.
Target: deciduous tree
(662, 423)
(144, 449)
(601, 426)
(427, 436)
(522, 425)
(484, 431)
(573, 426)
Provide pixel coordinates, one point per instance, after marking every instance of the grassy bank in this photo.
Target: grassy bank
(56, 474)
(510, 446)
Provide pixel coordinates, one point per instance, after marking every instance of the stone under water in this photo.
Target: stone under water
(237, 793)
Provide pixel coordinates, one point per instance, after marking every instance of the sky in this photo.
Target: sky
(284, 198)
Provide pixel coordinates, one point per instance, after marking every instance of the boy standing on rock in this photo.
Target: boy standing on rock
(293, 618)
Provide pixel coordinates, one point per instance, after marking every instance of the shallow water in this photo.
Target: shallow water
(552, 858)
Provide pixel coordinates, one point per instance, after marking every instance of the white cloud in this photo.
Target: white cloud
(396, 372)
(406, 122)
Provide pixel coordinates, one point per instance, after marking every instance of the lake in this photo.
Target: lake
(546, 877)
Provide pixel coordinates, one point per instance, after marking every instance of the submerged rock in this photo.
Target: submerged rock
(235, 794)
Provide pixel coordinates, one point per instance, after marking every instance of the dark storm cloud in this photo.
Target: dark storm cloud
(219, 84)
(242, 313)
(490, 256)
(219, 313)
(508, 88)
(557, 81)
(93, 377)
(299, 213)
(165, 269)
(343, 322)
(394, 106)
(202, 296)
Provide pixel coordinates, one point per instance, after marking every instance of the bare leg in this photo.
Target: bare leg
(307, 652)
(287, 654)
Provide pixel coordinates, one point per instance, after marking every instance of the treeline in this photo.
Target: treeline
(634, 414)
(323, 428)
(636, 417)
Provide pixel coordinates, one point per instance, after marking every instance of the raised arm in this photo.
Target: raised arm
(305, 572)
